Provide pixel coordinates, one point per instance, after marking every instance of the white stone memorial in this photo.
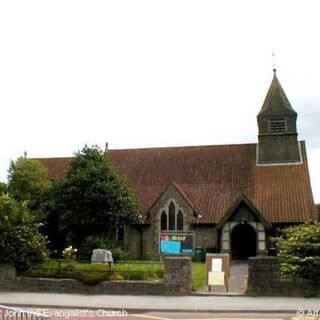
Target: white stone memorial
(101, 256)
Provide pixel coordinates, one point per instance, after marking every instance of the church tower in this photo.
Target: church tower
(278, 137)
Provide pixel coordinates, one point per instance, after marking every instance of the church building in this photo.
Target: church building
(233, 197)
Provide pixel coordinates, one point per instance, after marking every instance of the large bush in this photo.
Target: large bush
(20, 240)
(299, 252)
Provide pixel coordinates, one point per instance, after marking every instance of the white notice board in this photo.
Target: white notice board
(216, 265)
(216, 279)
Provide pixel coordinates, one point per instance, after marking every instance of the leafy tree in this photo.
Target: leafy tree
(299, 252)
(3, 188)
(20, 240)
(93, 198)
(52, 223)
(28, 181)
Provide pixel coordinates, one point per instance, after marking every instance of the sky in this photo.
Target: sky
(152, 73)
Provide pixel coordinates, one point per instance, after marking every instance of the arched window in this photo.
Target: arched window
(172, 216)
(180, 221)
(164, 224)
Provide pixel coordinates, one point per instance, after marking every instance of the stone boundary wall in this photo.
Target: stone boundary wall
(7, 272)
(263, 280)
(178, 275)
(177, 281)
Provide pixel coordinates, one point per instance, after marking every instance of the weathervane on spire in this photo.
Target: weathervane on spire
(274, 63)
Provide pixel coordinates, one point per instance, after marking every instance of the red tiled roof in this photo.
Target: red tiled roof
(212, 178)
(182, 193)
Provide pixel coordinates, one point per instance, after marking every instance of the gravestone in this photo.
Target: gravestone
(101, 256)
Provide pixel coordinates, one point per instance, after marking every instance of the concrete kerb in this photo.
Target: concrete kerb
(218, 294)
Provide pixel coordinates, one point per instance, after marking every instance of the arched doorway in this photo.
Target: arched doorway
(243, 242)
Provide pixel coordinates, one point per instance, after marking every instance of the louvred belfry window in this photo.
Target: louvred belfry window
(277, 125)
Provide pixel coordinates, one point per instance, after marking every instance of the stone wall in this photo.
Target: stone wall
(151, 234)
(178, 275)
(131, 287)
(7, 277)
(263, 280)
(7, 272)
(132, 241)
(177, 281)
(278, 147)
(206, 237)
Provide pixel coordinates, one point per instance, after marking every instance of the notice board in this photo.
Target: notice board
(176, 243)
(217, 269)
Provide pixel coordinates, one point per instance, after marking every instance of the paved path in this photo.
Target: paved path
(237, 280)
(238, 276)
(161, 303)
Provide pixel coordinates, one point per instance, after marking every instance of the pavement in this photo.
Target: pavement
(140, 304)
(215, 305)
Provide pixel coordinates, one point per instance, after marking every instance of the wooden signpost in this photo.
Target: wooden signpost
(217, 269)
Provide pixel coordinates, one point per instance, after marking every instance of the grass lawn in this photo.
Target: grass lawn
(94, 273)
(198, 275)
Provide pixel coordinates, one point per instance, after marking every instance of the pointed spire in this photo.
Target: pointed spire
(276, 101)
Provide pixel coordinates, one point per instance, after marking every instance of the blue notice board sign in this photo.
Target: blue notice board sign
(176, 243)
(171, 247)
